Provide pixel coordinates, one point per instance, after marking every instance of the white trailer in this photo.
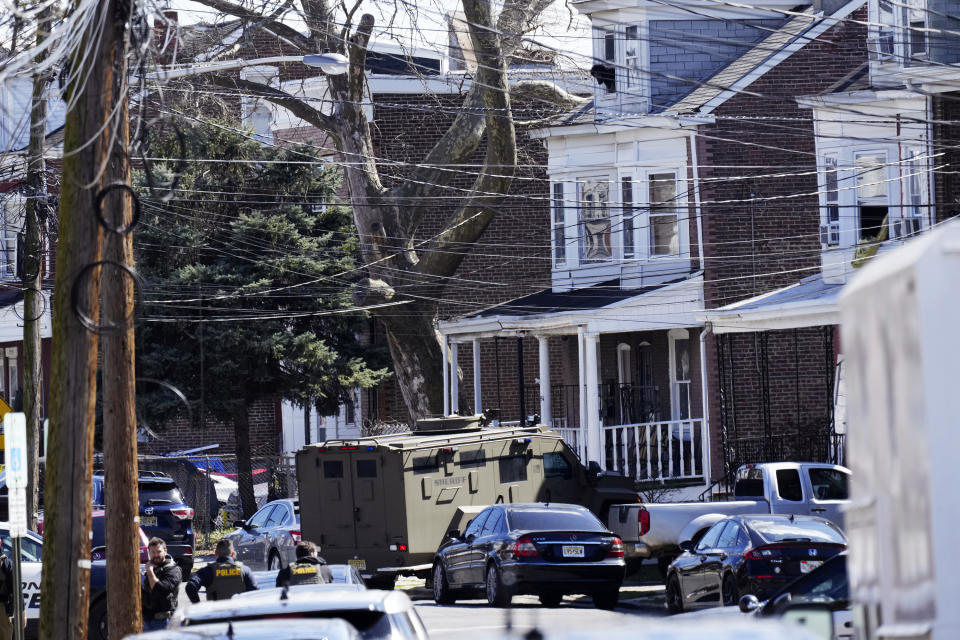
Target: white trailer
(901, 340)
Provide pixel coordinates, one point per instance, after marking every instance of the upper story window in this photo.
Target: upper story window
(627, 215)
(867, 194)
(632, 59)
(664, 214)
(899, 32)
(593, 224)
(621, 53)
(12, 210)
(558, 234)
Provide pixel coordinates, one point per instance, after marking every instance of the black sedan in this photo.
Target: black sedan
(545, 549)
(749, 555)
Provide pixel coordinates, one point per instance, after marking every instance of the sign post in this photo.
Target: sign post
(15, 442)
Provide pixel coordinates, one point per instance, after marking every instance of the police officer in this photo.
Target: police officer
(222, 578)
(309, 568)
(160, 585)
(6, 597)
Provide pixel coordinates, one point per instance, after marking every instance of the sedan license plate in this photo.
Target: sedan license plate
(148, 521)
(359, 563)
(806, 566)
(573, 551)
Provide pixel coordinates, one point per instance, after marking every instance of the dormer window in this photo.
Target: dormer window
(873, 204)
(899, 32)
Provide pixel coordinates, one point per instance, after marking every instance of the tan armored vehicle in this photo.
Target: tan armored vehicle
(385, 503)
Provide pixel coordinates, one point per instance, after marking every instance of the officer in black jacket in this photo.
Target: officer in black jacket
(6, 597)
(222, 578)
(160, 586)
(309, 568)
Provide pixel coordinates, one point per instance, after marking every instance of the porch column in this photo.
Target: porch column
(454, 378)
(446, 376)
(582, 396)
(477, 398)
(545, 408)
(594, 432)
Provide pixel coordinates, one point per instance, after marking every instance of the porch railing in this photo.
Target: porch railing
(619, 404)
(668, 450)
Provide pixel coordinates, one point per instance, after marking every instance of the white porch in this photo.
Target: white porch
(617, 423)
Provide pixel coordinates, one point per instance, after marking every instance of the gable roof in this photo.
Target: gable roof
(764, 56)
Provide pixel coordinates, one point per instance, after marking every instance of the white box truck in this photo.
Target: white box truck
(901, 339)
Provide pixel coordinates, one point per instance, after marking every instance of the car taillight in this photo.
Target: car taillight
(296, 536)
(616, 549)
(643, 520)
(763, 553)
(182, 512)
(524, 548)
(99, 554)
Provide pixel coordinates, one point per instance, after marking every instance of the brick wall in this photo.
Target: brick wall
(180, 434)
(770, 238)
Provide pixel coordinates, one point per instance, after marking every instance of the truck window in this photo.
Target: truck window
(333, 468)
(788, 485)
(749, 483)
(829, 484)
(366, 468)
(475, 458)
(556, 466)
(513, 469)
(425, 464)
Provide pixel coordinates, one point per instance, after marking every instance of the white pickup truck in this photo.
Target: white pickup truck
(804, 488)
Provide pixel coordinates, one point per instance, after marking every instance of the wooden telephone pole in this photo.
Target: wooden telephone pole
(95, 150)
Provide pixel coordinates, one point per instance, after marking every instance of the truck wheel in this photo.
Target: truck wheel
(441, 589)
(674, 595)
(97, 625)
(498, 594)
(730, 595)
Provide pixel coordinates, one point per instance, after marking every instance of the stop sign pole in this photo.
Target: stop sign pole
(15, 441)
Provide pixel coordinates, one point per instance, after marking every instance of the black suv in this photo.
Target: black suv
(163, 514)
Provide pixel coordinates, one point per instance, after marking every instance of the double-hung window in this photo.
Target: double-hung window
(13, 210)
(914, 185)
(593, 226)
(664, 214)
(557, 222)
(632, 62)
(830, 226)
(884, 46)
(914, 25)
(627, 213)
(873, 203)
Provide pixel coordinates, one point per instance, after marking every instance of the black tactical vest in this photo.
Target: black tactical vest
(305, 573)
(227, 581)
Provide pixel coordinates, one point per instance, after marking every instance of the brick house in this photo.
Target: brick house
(691, 315)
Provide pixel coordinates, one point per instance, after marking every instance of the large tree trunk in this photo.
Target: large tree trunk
(417, 358)
(241, 434)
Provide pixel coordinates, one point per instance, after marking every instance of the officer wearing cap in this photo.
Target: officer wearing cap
(309, 568)
(223, 578)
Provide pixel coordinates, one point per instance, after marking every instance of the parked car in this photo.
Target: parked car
(333, 629)
(827, 587)
(343, 574)
(163, 514)
(800, 488)
(387, 615)
(749, 555)
(98, 538)
(267, 540)
(546, 549)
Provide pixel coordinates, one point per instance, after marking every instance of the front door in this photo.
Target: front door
(698, 584)
(246, 544)
(460, 557)
(828, 492)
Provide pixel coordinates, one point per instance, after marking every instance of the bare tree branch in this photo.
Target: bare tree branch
(293, 104)
(275, 27)
(545, 92)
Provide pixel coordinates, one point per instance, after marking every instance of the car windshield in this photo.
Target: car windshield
(783, 530)
(159, 493)
(553, 519)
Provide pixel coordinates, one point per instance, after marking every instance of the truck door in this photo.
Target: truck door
(368, 508)
(787, 492)
(828, 492)
(560, 483)
(339, 532)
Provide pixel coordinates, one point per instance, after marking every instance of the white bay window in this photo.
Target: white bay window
(593, 225)
(664, 215)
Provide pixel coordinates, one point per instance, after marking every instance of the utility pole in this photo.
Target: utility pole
(119, 408)
(97, 68)
(32, 264)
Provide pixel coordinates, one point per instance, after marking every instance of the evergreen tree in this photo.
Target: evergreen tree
(246, 285)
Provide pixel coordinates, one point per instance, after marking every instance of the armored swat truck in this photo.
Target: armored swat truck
(385, 503)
